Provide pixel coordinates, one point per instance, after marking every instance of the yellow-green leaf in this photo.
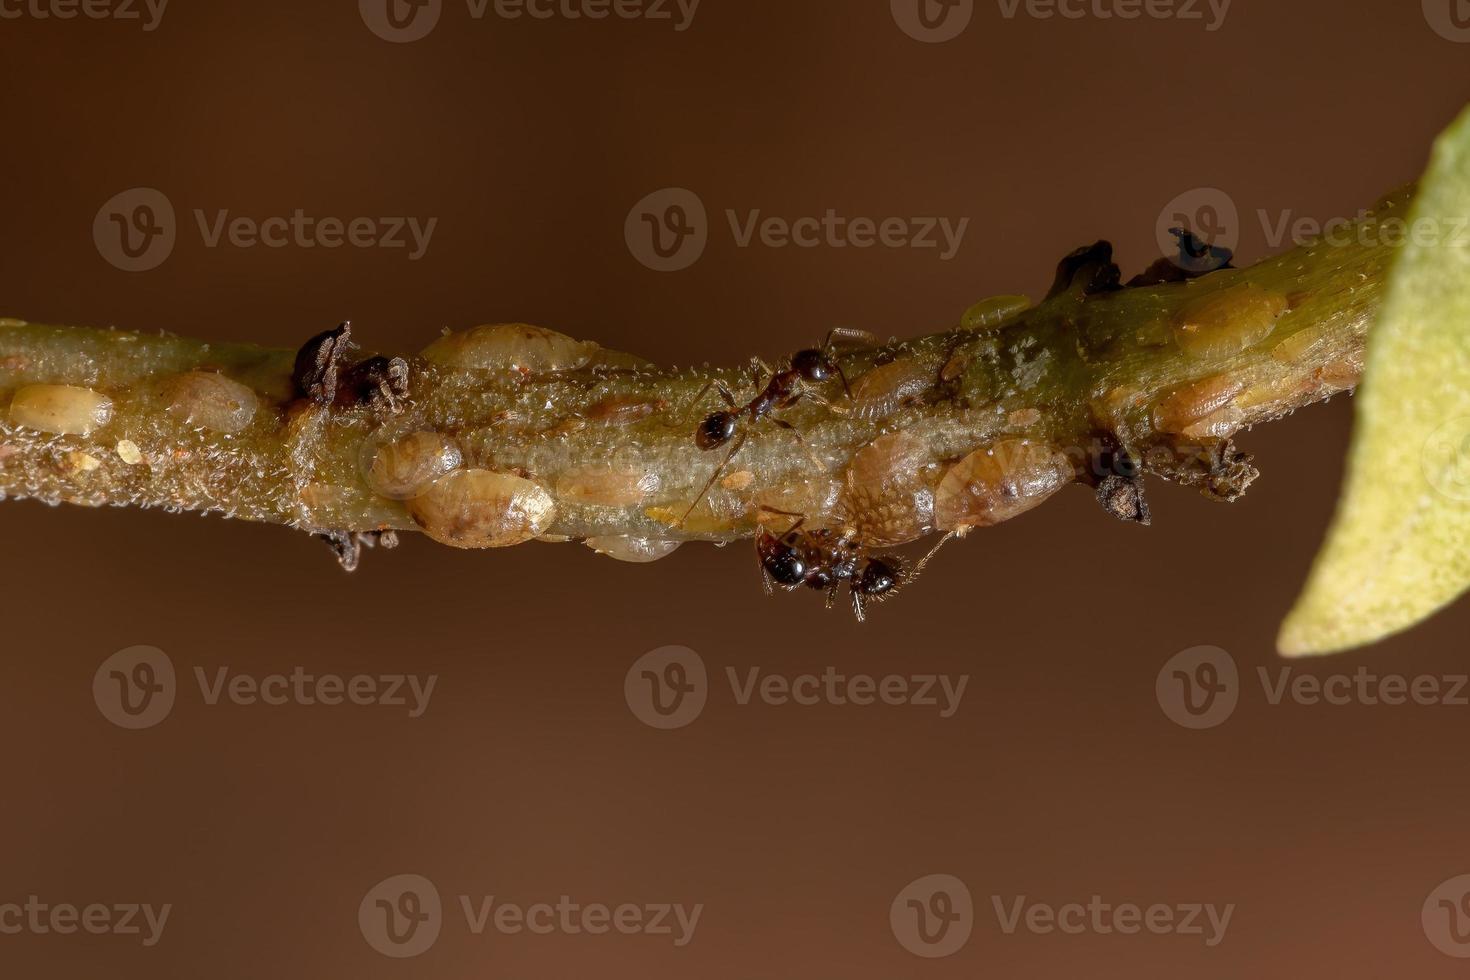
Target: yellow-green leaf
(1399, 547)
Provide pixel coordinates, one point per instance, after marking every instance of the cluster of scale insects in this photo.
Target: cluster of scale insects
(815, 558)
(801, 556)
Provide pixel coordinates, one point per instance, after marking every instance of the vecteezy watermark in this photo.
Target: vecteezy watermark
(1200, 687)
(933, 916)
(1445, 459)
(1209, 215)
(38, 918)
(1450, 19)
(937, 21)
(137, 688)
(404, 21)
(137, 230)
(932, 21)
(1446, 917)
(1210, 13)
(669, 687)
(669, 229)
(1205, 920)
(403, 916)
(1427, 232)
(148, 13)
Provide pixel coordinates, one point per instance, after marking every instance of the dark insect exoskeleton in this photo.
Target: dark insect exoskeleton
(784, 389)
(823, 560)
(323, 374)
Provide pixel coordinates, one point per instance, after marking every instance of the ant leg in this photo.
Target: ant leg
(858, 609)
(796, 526)
(715, 476)
(759, 564)
(702, 392)
(819, 400)
(846, 388)
(789, 428)
(720, 386)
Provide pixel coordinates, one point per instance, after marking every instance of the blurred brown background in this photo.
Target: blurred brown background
(528, 777)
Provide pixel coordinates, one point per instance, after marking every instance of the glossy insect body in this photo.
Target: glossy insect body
(823, 560)
(783, 390)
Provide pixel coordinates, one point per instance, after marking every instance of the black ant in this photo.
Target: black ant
(785, 389)
(823, 559)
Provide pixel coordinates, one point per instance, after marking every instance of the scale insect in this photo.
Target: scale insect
(822, 559)
(784, 389)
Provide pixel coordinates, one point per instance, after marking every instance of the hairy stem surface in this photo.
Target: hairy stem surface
(1159, 376)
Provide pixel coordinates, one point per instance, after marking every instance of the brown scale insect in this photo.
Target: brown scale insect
(785, 389)
(822, 559)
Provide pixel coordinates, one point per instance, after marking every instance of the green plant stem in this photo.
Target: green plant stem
(1073, 372)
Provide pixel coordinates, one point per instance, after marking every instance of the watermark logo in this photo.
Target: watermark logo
(1211, 13)
(1446, 917)
(1393, 232)
(401, 21)
(1098, 916)
(1199, 688)
(401, 916)
(933, 21)
(1445, 459)
(1450, 19)
(40, 918)
(1210, 215)
(668, 230)
(933, 916)
(667, 688)
(404, 21)
(135, 688)
(149, 13)
(135, 230)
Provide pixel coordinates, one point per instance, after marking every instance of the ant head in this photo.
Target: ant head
(813, 365)
(716, 430)
(881, 577)
(784, 564)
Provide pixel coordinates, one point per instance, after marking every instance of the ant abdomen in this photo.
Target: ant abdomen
(881, 576)
(716, 430)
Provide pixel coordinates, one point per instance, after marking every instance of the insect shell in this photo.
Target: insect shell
(63, 410)
(823, 560)
(483, 509)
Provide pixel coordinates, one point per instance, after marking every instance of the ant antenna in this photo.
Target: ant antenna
(932, 552)
(740, 442)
